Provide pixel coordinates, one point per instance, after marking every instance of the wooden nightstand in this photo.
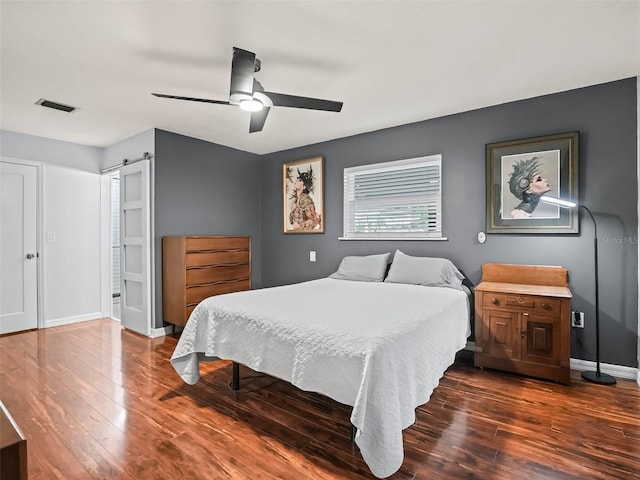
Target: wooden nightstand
(522, 321)
(13, 448)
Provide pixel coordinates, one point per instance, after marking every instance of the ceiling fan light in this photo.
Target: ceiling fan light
(252, 105)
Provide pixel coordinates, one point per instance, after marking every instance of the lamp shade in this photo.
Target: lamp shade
(558, 201)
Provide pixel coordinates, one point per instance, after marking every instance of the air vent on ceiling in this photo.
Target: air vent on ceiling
(56, 105)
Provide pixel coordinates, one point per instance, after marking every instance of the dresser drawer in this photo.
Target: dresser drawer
(197, 294)
(217, 273)
(201, 259)
(216, 243)
(529, 303)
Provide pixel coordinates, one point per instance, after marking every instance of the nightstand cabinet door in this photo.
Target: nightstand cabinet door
(502, 335)
(541, 339)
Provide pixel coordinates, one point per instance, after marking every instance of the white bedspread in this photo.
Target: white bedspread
(379, 347)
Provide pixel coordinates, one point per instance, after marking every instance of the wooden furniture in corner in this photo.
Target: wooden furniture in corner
(13, 448)
(522, 320)
(197, 267)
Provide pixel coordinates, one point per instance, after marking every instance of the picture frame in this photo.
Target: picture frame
(519, 172)
(303, 195)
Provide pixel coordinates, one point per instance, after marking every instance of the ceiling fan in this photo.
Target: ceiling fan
(247, 93)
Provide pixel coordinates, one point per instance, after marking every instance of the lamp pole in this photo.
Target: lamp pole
(597, 376)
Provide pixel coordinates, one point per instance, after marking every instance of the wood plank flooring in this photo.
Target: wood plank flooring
(99, 402)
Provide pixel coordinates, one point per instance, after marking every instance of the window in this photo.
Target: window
(394, 200)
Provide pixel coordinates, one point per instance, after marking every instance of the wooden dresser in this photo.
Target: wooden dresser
(197, 267)
(522, 319)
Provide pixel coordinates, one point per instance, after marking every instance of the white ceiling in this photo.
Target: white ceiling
(390, 62)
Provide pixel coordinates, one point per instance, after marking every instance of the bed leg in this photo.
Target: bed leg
(353, 433)
(235, 376)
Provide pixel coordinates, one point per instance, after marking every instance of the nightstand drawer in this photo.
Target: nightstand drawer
(529, 303)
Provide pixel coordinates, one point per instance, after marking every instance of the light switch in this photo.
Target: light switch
(51, 237)
(312, 256)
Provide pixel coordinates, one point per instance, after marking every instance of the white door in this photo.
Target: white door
(18, 242)
(135, 247)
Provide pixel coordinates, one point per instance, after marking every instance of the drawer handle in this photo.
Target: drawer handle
(546, 306)
(495, 301)
(523, 333)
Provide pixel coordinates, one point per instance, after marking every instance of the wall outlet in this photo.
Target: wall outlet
(577, 319)
(312, 256)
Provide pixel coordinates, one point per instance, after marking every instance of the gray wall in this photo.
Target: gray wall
(605, 116)
(204, 189)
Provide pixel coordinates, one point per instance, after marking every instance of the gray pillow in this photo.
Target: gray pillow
(430, 271)
(369, 268)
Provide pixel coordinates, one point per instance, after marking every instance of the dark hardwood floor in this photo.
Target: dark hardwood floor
(96, 401)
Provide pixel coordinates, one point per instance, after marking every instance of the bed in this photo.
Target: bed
(378, 346)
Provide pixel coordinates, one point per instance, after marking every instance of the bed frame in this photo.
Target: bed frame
(235, 386)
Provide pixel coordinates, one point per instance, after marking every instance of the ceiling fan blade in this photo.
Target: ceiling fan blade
(243, 66)
(191, 99)
(284, 100)
(247, 92)
(257, 120)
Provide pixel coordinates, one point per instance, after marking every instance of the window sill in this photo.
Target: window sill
(408, 239)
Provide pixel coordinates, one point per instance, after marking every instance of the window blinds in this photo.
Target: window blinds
(399, 199)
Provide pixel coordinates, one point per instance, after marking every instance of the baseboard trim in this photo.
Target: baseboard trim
(155, 332)
(161, 332)
(618, 371)
(75, 319)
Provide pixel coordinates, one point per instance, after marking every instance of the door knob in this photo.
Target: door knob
(30, 256)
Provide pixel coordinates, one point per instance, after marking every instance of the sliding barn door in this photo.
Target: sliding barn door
(135, 247)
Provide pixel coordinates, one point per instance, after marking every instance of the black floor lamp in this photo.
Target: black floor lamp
(597, 376)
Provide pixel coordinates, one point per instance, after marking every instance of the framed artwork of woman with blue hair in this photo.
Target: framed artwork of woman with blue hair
(520, 173)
